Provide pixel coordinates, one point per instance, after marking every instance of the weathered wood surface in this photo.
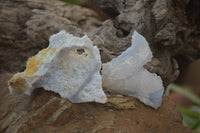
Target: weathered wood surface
(171, 27)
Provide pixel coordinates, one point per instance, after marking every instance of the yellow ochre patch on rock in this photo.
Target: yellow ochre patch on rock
(18, 83)
(35, 61)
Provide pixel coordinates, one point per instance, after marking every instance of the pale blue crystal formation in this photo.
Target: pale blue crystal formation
(126, 74)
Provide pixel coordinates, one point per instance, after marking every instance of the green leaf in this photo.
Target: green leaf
(70, 1)
(191, 116)
(189, 112)
(191, 119)
(193, 97)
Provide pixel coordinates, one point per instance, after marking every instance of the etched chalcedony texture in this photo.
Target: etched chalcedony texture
(69, 66)
(126, 74)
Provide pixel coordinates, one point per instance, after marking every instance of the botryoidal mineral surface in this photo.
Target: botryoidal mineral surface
(70, 66)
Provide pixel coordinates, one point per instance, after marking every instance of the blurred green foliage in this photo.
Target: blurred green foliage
(71, 1)
(191, 116)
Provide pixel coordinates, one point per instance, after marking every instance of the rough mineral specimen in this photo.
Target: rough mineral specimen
(126, 75)
(69, 66)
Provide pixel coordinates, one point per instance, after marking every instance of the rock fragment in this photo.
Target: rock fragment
(69, 66)
(126, 74)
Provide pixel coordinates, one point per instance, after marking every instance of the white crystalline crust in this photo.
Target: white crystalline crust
(69, 66)
(126, 75)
